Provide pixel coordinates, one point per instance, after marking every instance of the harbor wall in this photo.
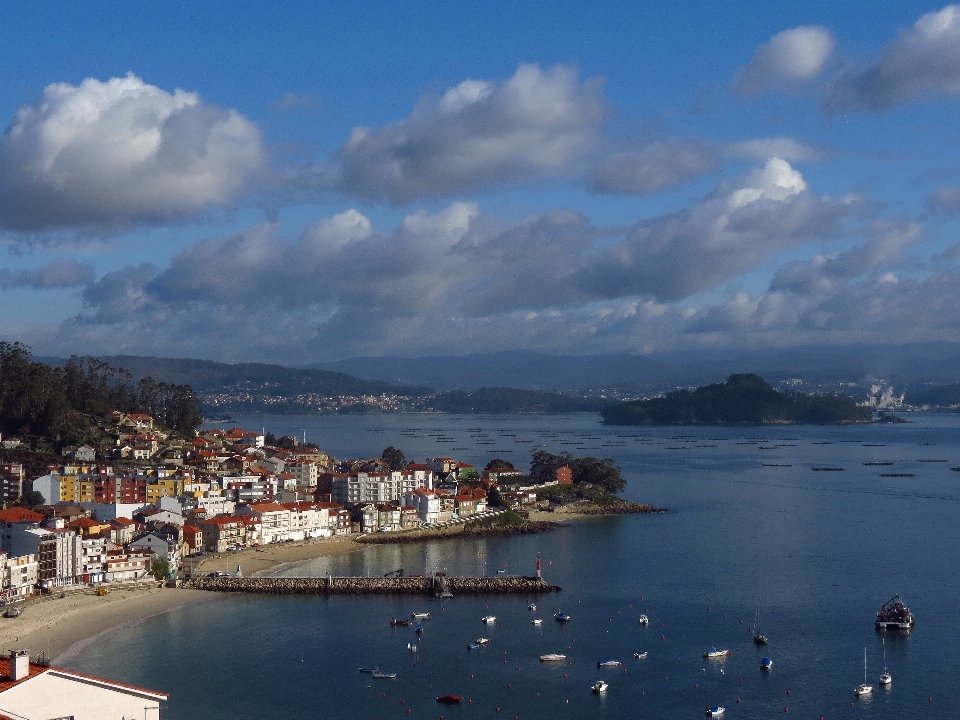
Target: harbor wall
(371, 585)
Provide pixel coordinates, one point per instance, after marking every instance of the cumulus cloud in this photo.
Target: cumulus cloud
(60, 273)
(652, 167)
(945, 200)
(109, 154)
(745, 221)
(477, 134)
(790, 59)
(923, 60)
(785, 148)
(825, 273)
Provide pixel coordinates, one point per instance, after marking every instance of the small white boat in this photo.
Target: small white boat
(532, 606)
(553, 657)
(412, 647)
(482, 640)
(640, 656)
(537, 622)
(384, 675)
(766, 664)
(599, 687)
(608, 663)
(715, 711)
(644, 620)
(864, 689)
(885, 679)
(488, 619)
(422, 616)
(716, 654)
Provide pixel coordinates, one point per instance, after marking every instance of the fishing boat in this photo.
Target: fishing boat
(644, 620)
(532, 606)
(599, 687)
(482, 640)
(553, 657)
(758, 638)
(422, 616)
(398, 623)
(608, 663)
(894, 615)
(885, 679)
(488, 619)
(369, 671)
(640, 656)
(377, 675)
(450, 699)
(864, 689)
(412, 647)
(766, 664)
(537, 622)
(716, 654)
(715, 711)
(418, 629)
(561, 617)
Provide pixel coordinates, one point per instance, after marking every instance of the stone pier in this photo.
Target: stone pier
(372, 585)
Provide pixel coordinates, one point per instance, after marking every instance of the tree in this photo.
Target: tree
(159, 568)
(602, 473)
(498, 464)
(31, 499)
(493, 498)
(393, 458)
(287, 443)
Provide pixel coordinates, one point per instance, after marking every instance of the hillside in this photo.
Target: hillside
(509, 400)
(742, 400)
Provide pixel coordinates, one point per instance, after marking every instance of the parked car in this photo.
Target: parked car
(13, 612)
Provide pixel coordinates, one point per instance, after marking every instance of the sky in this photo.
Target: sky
(309, 181)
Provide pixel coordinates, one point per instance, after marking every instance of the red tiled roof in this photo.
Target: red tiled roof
(16, 514)
(266, 507)
(83, 522)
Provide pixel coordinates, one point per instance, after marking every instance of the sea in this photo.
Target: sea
(802, 531)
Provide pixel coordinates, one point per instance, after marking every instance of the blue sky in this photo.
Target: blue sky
(315, 181)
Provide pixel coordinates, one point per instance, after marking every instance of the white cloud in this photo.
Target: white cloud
(923, 60)
(109, 154)
(786, 148)
(477, 134)
(59, 273)
(652, 167)
(790, 59)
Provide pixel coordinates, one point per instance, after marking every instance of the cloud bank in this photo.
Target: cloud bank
(790, 60)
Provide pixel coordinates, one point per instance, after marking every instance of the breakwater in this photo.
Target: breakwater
(373, 585)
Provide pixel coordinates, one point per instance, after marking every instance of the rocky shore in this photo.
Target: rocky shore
(372, 585)
(466, 530)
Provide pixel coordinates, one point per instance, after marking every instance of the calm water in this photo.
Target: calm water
(819, 552)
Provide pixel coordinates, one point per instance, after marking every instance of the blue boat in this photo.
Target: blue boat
(766, 663)
(715, 711)
(561, 617)
(419, 629)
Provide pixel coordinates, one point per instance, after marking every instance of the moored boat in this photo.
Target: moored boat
(482, 640)
(368, 670)
(894, 615)
(766, 664)
(398, 623)
(640, 656)
(644, 620)
(412, 647)
(378, 675)
(450, 699)
(537, 622)
(473, 646)
(552, 657)
(421, 616)
(716, 654)
(532, 606)
(608, 663)
(488, 619)
(599, 687)
(715, 711)
(885, 679)
(561, 616)
(418, 629)
(864, 689)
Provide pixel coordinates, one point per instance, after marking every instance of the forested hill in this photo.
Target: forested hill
(207, 376)
(742, 400)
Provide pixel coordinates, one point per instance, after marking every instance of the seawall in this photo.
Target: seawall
(372, 585)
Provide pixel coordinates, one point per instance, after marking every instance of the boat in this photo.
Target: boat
(537, 622)
(894, 615)
(482, 640)
(644, 620)
(450, 699)
(758, 639)
(766, 664)
(640, 656)
(473, 646)
(553, 657)
(412, 647)
(384, 675)
(864, 689)
(532, 606)
(885, 679)
(418, 629)
(715, 711)
(716, 654)
(561, 617)
(399, 623)
(488, 619)
(369, 671)
(422, 616)
(608, 663)
(599, 687)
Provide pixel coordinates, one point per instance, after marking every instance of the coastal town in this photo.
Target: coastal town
(182, 501)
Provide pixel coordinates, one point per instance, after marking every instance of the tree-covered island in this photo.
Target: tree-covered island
(745, 399)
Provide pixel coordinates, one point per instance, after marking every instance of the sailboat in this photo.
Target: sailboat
(864, 689)
(885, 679)
(758, 639)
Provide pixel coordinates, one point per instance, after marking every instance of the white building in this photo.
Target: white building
(20, 576)
(426, 502)
(308, 520)
(378, 487)
(35, 692)
(306, 473)
(274, 520)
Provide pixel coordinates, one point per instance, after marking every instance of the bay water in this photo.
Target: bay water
(755, 523)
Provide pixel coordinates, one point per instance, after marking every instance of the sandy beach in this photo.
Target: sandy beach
(256, 561)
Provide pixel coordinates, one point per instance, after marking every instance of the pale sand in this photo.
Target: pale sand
(257, 561)
(52, 624)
